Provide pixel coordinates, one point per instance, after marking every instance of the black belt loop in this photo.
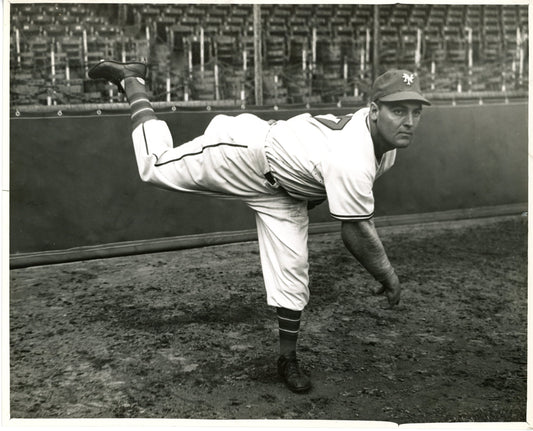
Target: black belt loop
(270, 178)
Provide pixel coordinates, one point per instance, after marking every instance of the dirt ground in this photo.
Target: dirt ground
(188, 334)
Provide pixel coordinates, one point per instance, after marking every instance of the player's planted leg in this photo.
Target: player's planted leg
(288, 368)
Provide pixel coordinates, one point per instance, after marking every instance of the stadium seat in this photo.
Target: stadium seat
(433, 46)
(226, 49)
(190, 21)
(213, 20)
(390, 46)
(418, 16)
(409, 43)
(29, 30)
(455, 15)
(385, 12)
(276, 26)
(149, 13)
(103, 30)
(54, 30)
(241, 10)
(454, 45)
(304, 11)
(523, 16)
(220, 10)
(275, 51)
(29, 10)
(297, 49)
(400, 15)
(473, 16)
(299, 29)
(344, 11)
(78, 10)
(324, 11)
(27, 62)
(77, 30)
(509, 17)
(42, 20)
(246, 43)
(345, 33)
(66, 20)
(338, 21)
(204, 85)
(163, 27)
(210, 30)
(180, 33)
(491, 39)
(196, 11)
(231, 30)
(174, 12)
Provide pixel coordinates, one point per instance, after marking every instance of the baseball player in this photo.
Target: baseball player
(278, 168)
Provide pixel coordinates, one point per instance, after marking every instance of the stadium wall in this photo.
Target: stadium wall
(74, 181)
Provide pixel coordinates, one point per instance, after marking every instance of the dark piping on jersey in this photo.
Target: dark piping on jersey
(199, 152)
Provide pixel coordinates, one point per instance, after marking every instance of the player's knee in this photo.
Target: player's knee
(157, 137)
(217, 123)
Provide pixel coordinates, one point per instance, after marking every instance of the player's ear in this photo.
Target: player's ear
(374, 109)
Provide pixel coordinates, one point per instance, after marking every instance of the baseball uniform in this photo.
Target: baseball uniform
(275, 169)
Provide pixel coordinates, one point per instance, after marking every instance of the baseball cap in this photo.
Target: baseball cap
(396, 85)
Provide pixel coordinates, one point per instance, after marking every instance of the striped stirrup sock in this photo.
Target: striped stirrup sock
(140, 107)
(289, 327)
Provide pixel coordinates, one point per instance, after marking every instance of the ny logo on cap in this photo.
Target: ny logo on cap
(408, 79)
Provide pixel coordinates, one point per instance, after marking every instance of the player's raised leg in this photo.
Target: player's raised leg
(151, 137)
(205, 164)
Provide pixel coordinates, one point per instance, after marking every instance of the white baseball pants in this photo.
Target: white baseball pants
(228, 161)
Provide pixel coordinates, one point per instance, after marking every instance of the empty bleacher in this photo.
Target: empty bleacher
(310, 52)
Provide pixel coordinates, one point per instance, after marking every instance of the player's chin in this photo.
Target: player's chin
(403, 140)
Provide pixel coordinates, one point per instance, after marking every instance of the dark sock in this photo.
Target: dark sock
(140, 107)
(289, 327)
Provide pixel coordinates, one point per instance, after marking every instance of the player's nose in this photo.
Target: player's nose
(409, 120)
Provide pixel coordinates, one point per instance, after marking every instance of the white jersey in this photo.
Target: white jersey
(327, 156)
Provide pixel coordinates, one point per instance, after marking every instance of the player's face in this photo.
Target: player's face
(396, 122)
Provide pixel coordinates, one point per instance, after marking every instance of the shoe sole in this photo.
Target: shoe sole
(128, 63)
(296, 390)
(96, 66)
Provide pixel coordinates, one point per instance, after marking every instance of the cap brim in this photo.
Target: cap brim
(405, 95)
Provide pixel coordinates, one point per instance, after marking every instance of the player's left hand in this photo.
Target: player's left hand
(392, 289)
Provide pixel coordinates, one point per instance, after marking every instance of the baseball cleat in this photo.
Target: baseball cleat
(115, 72)
(291, 374)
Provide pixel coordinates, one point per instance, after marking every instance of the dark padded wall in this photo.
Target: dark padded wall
(74, 182)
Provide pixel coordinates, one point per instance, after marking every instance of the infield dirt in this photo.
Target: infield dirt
(187, 334)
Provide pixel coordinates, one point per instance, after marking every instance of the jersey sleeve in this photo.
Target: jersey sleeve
(349, 190)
